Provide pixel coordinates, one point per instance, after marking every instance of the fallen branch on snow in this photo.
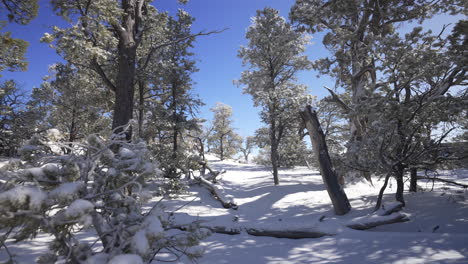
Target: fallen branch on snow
(218, 192)
(295, 234)
(441, 180)
(378, 218)
(368, 222)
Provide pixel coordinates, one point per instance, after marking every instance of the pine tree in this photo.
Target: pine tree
(12, 50)
(223, 140)
(13, 118)
(273, 56)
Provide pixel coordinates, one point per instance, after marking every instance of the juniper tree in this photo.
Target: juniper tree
(354, 32)
(273, 56)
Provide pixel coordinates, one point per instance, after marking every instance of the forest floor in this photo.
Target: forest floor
(436, 233)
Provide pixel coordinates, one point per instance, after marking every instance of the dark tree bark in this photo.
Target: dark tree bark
(335, 191)
(274, 162)
(274, 156)
(399, 171)
(141, 107)
(129, 35)
(413, 180)
(381, 192)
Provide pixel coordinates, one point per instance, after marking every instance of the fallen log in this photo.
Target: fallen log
(314, 231)
(388, 209)
(223, 230)
(214, 229)
(442, 180)
(368, 222)
(293, 234)
(218, 193)
(213, 174)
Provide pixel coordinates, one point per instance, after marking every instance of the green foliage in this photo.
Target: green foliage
(20, 11)
(12, 52)
(13, 118)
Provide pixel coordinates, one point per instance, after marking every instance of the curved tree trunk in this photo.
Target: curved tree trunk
(335, 191)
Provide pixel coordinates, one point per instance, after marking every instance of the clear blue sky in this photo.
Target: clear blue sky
(216, 54)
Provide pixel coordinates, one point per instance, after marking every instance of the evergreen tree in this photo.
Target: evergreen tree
(248, 143)
(355, 31)
(223, 140)
(13, 118)
(12, 50)
(273, 55)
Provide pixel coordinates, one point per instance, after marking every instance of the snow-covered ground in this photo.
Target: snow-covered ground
(436, 233)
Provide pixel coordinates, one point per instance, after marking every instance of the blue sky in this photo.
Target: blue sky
(216, 54)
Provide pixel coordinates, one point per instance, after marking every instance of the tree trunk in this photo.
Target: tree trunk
(335, 191)
(128, 44)
(141, 107)
(413, 180)
(124, 90)
(175, 120)
(221, 148)
(399, 171)
(274, 162)
(381, 192)
(274, 150)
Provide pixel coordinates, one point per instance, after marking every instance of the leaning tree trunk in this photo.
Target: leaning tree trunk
(335, 191)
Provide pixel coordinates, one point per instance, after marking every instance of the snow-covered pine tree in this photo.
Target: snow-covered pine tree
(248, 143)
(12, 50)
(91, 190)
(273, 55)
(224, 141)
(354, 33)
(13, 118)
(173, 105)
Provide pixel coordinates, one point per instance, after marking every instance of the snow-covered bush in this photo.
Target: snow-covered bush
(98, 189)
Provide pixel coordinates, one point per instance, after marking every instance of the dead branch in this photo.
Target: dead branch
(293, 234)
(368, 222)
(217, 192)
(441, 180)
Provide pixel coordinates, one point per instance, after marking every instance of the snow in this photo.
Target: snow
(153, 226)
(125, 153)
(436, 233)
(79, 208)
(22, 195)
(140, 243)
(98, 259)
(66, 191)
(126, 259)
